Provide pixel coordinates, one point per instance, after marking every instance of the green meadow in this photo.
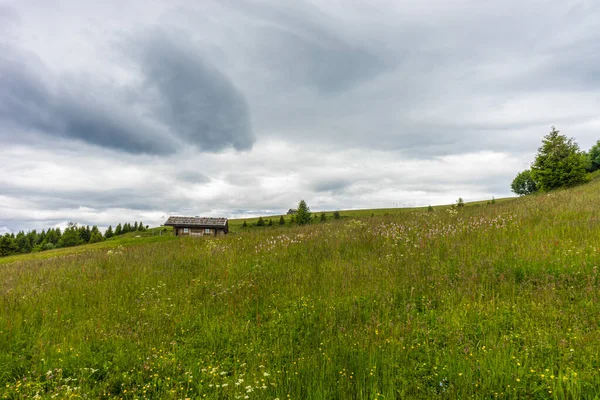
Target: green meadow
(483, 301)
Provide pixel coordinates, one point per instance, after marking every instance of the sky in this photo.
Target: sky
(134, 110)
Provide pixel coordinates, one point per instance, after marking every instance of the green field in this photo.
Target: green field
(235, 225)
(489, 301)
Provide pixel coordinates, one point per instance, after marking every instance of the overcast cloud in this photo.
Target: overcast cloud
(135, 110)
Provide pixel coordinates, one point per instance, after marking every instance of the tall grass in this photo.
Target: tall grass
(498, 301)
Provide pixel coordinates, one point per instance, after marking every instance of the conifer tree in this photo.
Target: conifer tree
(109, 232)
(303, 216)
(558, 163)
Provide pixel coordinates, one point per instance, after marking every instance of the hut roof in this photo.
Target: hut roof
(201, 222)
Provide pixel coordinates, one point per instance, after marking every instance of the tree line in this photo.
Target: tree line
(559, 163)
(302, 216)
(53, 238)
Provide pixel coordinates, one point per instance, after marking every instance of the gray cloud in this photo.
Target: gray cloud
(27, 102)
(331, 185)
(183, 100)
(191, 176)
(193, 98)
(300, 45)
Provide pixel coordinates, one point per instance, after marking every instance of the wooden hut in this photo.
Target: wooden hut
(198, 226)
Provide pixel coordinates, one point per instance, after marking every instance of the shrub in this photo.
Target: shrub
(594, 157)
(523, 184)
(336, 215)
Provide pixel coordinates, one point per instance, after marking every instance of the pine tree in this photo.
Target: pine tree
(281, 220)
(558, 163)
(109, 232)
(135, 226)
(23, 245)
(8, 246)
(245, 224)
(141, 226)
(96, 236)
(71, 236)
(118, 230)
(323, 217)
(303, 216)
(260, 222)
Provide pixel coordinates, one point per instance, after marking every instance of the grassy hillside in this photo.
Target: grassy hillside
(498, 301)
(235, 225)
(152, 235)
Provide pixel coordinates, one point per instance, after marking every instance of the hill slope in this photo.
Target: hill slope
(498, 300)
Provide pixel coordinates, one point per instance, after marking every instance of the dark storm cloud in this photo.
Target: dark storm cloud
(196, 101)
(29, 103)
(189, 103)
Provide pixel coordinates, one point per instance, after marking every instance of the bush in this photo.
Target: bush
(281, 220)
(336, 215)
(594, 157)
(523, 184)
(460, 202)
(260, 222)
(48, 246)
